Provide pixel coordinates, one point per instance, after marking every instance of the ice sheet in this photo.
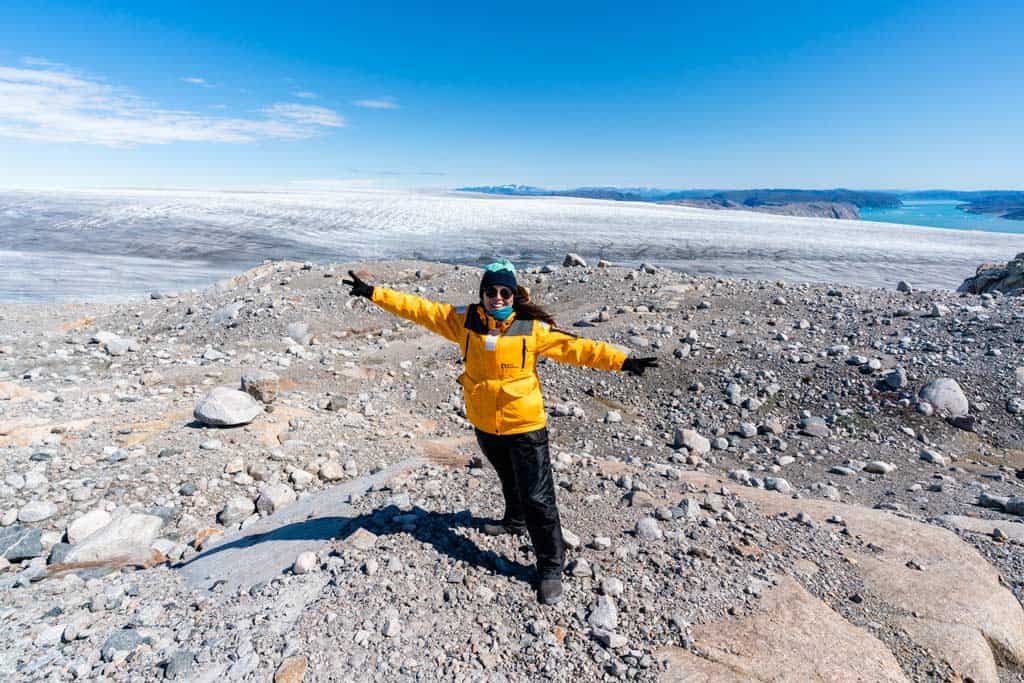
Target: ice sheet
(77, 245)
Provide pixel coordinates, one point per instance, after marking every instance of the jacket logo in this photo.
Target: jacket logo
(508, 366)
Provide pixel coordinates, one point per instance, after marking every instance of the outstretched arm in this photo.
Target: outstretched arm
(567, 348)
(592, 354)
(442, 319)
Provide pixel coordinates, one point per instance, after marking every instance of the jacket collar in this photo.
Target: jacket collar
(492, 324)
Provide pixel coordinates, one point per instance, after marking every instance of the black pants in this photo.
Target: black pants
(524, 468)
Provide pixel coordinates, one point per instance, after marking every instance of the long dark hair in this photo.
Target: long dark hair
(527, 310)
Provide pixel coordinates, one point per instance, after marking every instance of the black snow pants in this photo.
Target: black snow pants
(524, 468)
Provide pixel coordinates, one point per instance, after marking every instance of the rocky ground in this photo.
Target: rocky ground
(818, 483)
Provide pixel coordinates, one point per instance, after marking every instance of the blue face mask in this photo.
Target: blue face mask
(501, 313)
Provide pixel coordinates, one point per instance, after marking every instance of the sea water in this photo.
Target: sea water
(942, 213)
(117, 244)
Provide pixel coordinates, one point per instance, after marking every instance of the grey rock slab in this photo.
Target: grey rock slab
(121, 641)
(814, 426)
(266, 548)
(1014, 531)
(20, 543)
(945, 396)
(224, 407)
(180, 665)
(1014, 506)
(126, 536)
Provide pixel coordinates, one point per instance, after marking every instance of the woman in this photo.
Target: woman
(501, 339)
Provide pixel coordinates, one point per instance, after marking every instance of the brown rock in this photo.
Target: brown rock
(262, 385)
(972, 595)
(772, 645)
(292, 670)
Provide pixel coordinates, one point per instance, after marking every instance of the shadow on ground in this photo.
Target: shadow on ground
(439, 530)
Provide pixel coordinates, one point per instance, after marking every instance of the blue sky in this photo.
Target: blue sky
(863, 95)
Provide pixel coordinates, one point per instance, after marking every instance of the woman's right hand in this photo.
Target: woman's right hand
(636, 366)
(359, 288)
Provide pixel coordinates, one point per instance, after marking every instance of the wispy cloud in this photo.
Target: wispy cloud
(381, 103)
(56, 105)
(307, 114)
(195, 80)
(305, 95)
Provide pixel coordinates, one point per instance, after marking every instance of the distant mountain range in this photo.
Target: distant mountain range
(837, 203)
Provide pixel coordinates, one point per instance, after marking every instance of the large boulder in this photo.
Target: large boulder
(224, 407)
(945, 396)
(993, 277)
(127, 536)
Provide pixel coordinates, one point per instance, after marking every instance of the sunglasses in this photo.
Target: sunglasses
(503, 292)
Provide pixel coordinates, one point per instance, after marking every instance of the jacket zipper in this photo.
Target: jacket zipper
(465, 354)
(523, 363)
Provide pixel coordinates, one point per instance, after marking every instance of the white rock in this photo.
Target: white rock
(692, 440)
(945, 396)
(304, 563)
(34, 480)
(274, 497)
(86, 525)
(648, 529)
(331, 471)
(36, 511)
(612, 586)
(301, 478)
(224, 407)
(235, 510)
(127, 535)
(234, 466)
(604, 615)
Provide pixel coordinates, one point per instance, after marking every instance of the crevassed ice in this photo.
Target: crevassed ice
(115, 243)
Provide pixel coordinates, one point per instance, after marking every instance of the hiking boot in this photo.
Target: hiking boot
(550, 592)
(499, 529)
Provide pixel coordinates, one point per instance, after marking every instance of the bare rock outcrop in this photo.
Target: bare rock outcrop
(772, 645)
(993, 277)
(976, 623)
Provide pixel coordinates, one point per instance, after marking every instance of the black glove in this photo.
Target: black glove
(359, 288)
(636, 366)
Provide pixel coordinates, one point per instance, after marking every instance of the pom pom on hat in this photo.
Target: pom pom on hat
(499, 273)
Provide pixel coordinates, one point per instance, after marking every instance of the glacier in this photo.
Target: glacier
(83, 245)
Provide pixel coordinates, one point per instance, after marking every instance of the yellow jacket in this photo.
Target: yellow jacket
(500, 384)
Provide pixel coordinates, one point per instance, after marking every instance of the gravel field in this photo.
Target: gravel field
(818, 483)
